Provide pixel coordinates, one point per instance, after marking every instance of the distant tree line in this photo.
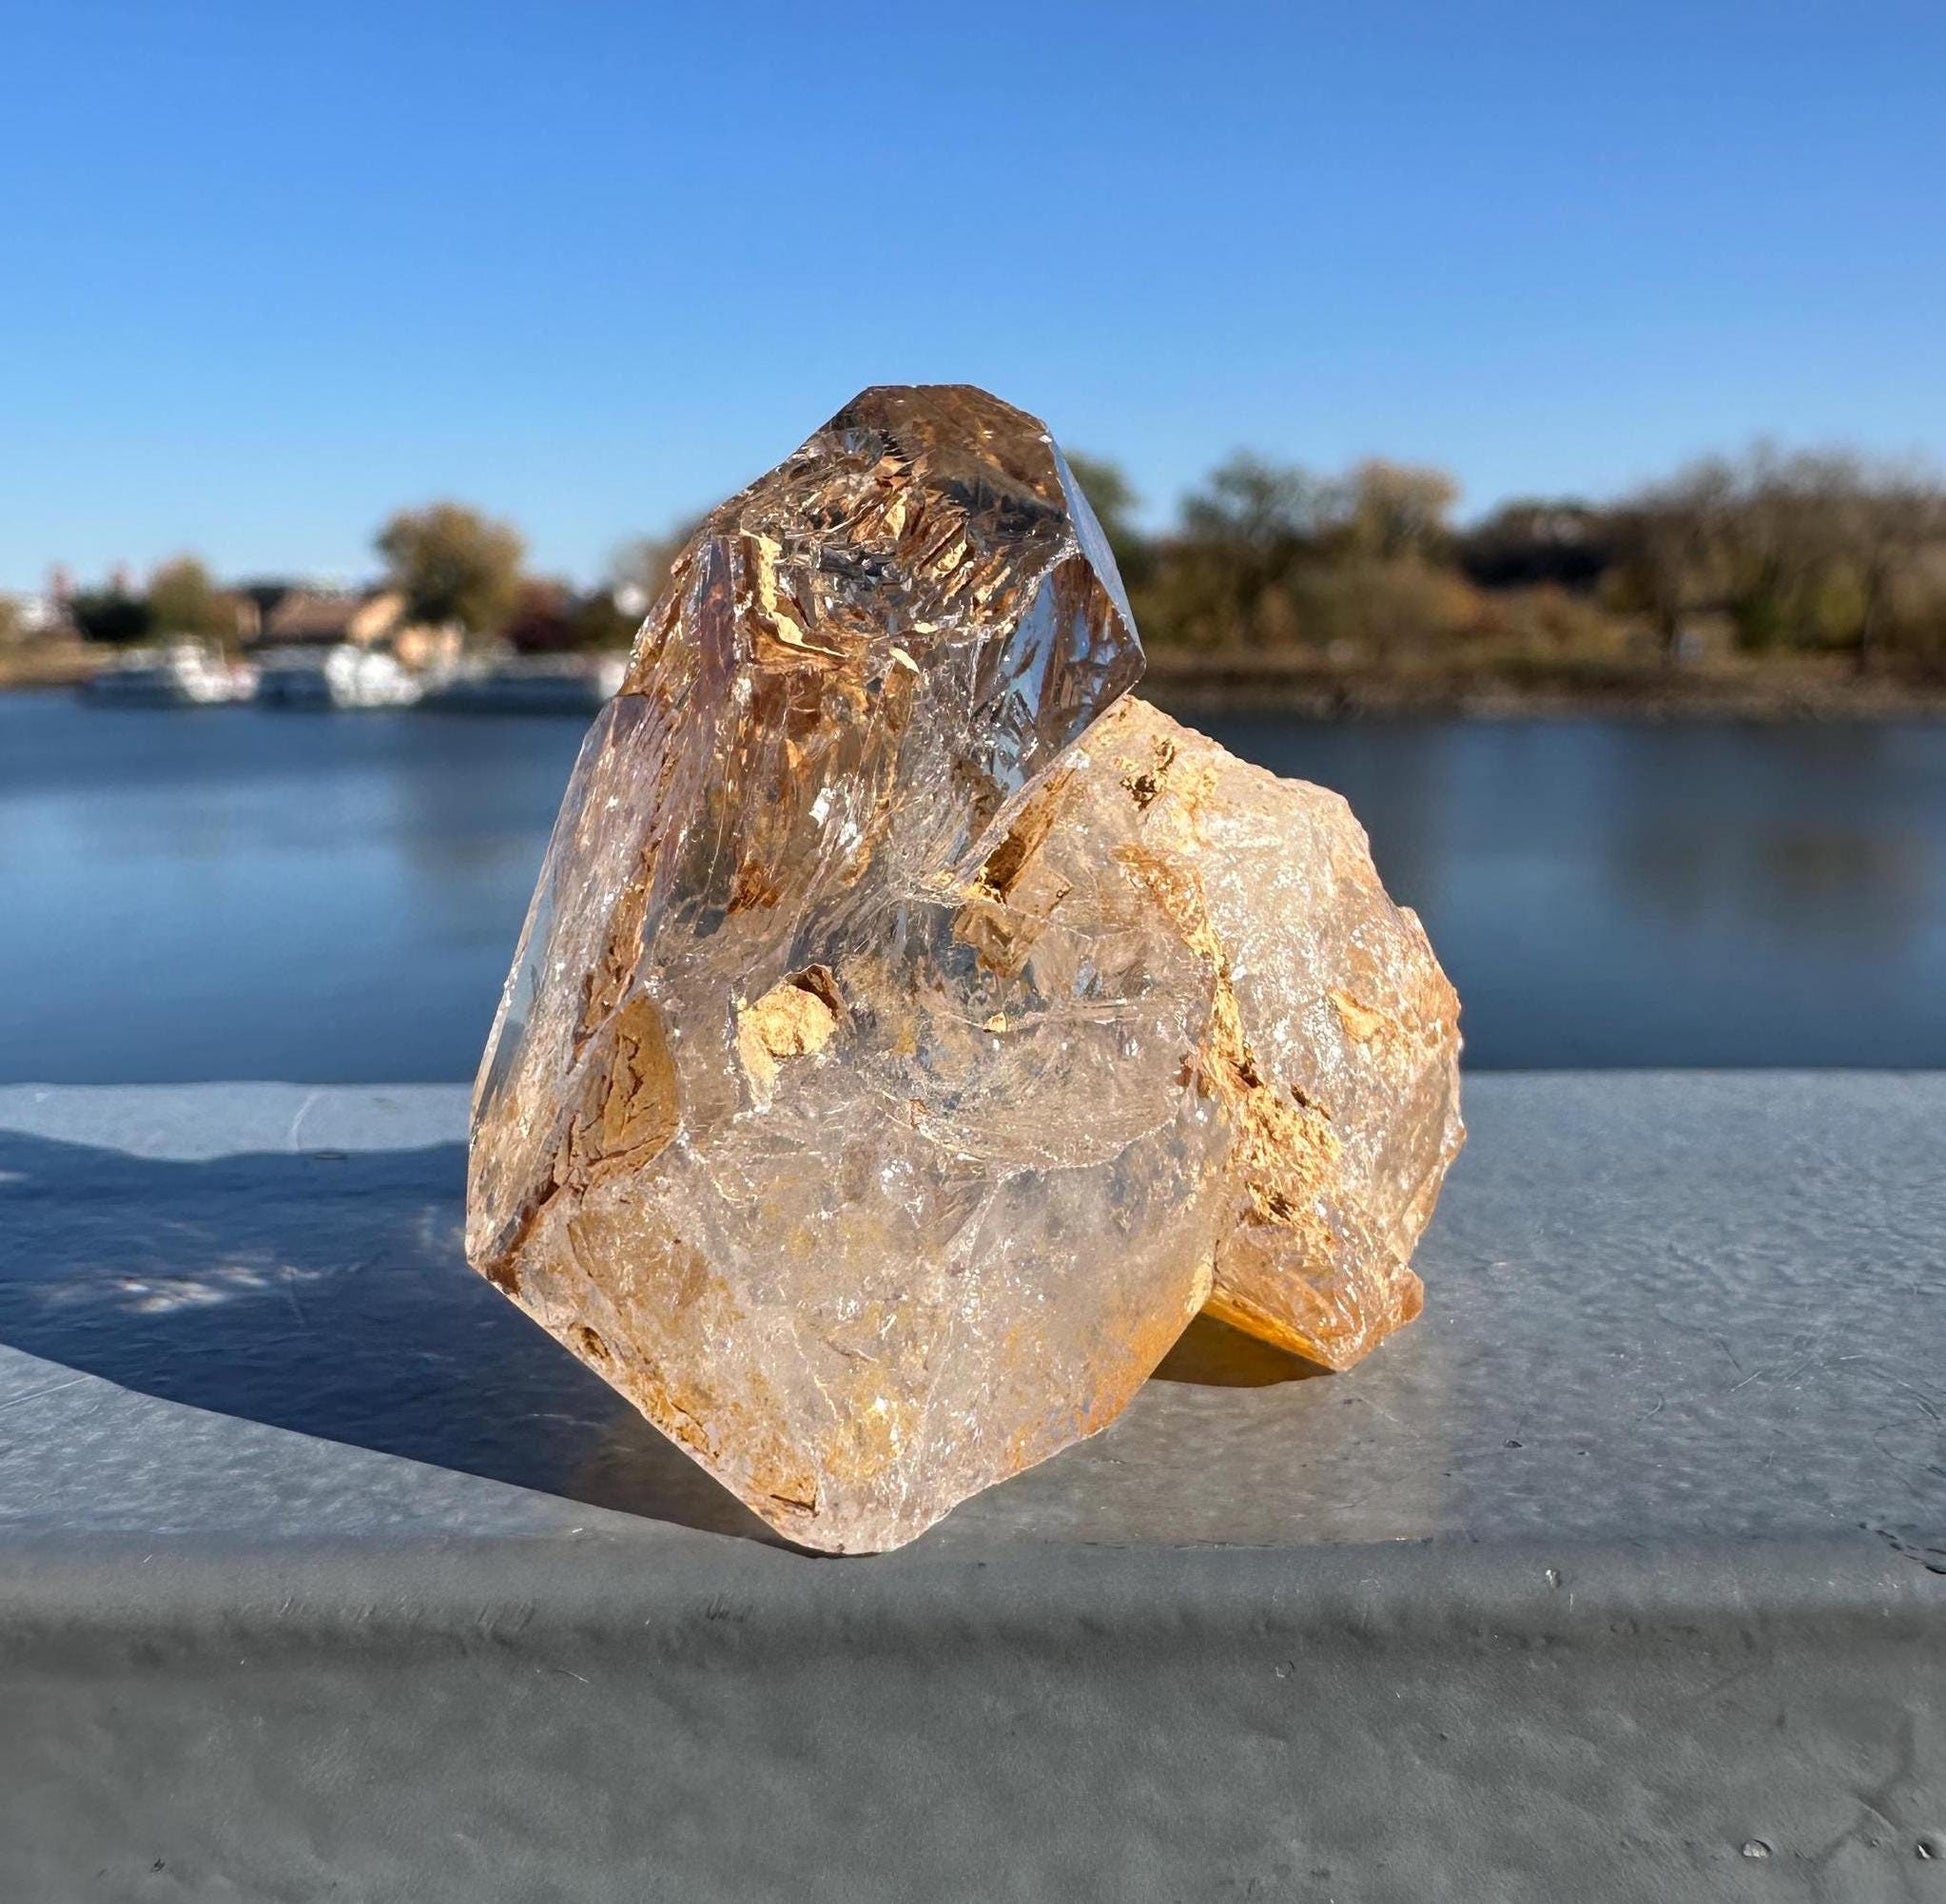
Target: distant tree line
(1764, 555)
(1818, 552)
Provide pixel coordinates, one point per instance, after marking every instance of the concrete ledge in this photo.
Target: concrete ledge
(1622, 1574)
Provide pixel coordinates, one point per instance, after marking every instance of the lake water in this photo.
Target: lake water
(235, 893)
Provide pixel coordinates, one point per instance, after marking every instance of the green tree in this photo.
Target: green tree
(454, 566)
(184, 600)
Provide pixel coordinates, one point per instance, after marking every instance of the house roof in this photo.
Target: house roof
(307, 615)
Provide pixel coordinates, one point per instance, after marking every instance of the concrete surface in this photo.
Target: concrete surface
(1622, 1574)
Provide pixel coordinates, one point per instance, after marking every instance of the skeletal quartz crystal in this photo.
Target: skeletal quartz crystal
(910, 1033)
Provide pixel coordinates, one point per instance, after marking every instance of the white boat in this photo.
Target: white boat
(531, 684)
(341, 676)
(184, 674)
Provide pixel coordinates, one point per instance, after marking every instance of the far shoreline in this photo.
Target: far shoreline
(1490, 702)
(1191, 685)
(1304, 688)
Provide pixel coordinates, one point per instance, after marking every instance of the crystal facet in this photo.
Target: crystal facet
(907, 1028)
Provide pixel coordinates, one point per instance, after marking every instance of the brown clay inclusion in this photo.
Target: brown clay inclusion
(911, 1033)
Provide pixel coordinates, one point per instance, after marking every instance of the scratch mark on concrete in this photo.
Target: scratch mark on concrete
(303, 1111)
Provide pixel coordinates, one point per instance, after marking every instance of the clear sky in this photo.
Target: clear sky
(268, 270)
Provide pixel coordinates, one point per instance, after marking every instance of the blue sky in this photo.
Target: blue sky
(268, 270)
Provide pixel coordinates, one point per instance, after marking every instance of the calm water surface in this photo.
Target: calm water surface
(235, 893)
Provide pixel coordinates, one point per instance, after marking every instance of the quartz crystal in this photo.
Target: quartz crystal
(1332, 1043)
(910, 1033)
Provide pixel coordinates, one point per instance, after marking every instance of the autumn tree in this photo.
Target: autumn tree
(1389, 511)
(1892, 529)
(454, 566)
(1669, 550)
(1830, 545)
(184, 600)
(1814, 549)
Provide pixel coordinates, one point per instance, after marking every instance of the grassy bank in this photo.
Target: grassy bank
(48, 664)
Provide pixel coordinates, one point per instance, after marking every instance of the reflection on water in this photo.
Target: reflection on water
(242, 893)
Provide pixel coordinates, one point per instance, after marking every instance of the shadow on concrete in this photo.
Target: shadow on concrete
(325, 1293)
